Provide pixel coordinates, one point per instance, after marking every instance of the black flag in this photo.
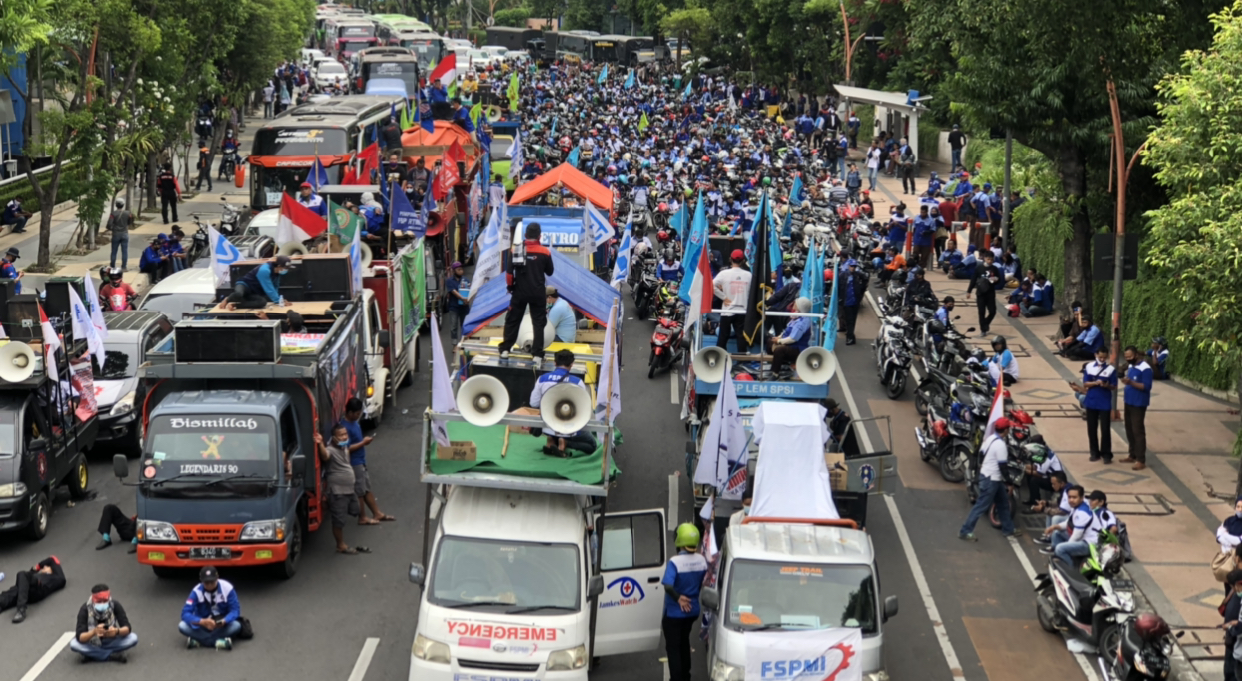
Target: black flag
(760, 286)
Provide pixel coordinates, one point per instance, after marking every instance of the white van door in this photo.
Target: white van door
(632, 563)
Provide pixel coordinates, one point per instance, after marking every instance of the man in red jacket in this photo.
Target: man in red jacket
(527, 279)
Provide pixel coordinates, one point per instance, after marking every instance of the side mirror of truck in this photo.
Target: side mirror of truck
(890, 607)
(120, 466)
(298, 464)
(709, 598)
(418, 574)
(384, 339)
(595, 586)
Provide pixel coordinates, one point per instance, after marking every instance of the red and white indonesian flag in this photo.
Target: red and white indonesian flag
(446, 71)
(51, 342)
(297, 222)
(998, 410)
(700, 290)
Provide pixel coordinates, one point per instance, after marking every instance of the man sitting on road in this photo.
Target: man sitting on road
(1044, 463)
(14, 215)
(212, 613)
(32, 586)
(126, 527)
(103, 633)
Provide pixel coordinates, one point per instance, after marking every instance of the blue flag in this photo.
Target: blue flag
(686, 92)
(603, 76)
(694, 245)
(317, 176)
(775, 258)
(629, 80)
(795, 192)
(787, 227)
(756, 224)
(554, 119)
(404, 217)
(572, 159)
(830, 325)
(680, 221)
(424, 115)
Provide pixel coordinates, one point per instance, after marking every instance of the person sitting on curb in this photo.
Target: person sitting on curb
(212, 614)
(103, 633)
(1085, 344)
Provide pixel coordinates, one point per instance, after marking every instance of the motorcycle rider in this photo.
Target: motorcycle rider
(228, 155)
(919, 290)
(1072, 539)
(1003, 366)
(116, 287)
(669, 269)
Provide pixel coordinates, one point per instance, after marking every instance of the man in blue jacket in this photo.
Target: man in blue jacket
(924, 234)
(260, 286)
(212, 613)
(683, 579)
(1099, 379)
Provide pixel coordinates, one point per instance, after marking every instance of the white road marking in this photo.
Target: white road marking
(849, 401)
(672, 386)
(673, 487)
(1029, 569)
(47, 658)
(920, 580)
(364, 660)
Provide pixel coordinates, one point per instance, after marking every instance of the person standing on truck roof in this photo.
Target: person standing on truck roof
(32, 586)
(342, 502)
(260, 286)
(683, 578)
(212, 614)
(528, 288)
(358, 459)
(390, 134)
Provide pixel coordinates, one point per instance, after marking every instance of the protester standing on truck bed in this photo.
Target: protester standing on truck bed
(528, 287)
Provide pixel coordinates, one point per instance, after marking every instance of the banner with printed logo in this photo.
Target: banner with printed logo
(818, 655)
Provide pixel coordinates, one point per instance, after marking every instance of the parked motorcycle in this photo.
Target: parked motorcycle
(199, 243)
(645, 294)
(1138, 649)
(893, 354)
(944, 437)
(1082, 601)
(666, 344)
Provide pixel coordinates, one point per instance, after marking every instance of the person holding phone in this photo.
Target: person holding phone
(1099, 378)
(103, 633)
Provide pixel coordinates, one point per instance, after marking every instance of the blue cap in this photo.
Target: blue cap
(851, 263)
(987, 185)
(971, 249)
(162, 236)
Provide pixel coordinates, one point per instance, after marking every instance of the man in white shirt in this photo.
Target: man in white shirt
(732, 286)
(1072, 539)
(992, 488)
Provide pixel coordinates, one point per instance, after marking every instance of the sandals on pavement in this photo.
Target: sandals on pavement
(354, 550)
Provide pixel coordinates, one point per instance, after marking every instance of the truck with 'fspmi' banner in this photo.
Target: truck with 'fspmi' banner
(228, 474)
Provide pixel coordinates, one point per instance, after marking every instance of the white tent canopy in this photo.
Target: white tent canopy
(892, 108)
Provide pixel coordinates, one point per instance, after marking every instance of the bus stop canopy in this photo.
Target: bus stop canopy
(896, 102)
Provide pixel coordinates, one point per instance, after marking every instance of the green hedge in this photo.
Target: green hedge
(70, 183)
(1041, 228)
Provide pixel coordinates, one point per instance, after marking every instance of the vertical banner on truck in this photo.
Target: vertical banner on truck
(819, 655)
(414, 290)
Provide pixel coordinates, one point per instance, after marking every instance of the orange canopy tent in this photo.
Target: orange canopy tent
(417, 142)
(572, 179)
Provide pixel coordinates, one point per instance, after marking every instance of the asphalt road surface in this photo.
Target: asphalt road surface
(350, 618)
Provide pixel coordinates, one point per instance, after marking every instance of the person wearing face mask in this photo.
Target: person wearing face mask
(342, 499)
(103, 633)
(260, 286)
(1229, 534)
(212, 613)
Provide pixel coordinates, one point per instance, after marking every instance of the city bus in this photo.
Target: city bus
(602, 48)
(387, 62)
(335, 130)
(348, 35)
(428, 47)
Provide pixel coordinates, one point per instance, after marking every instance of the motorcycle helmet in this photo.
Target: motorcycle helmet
(662, 235)
(936, 327)
(612, 170)
(114, 274)
(687, 536)
(916, 271)
(828, 274)
(743, 376)
(1160, 340)
(978, 355)
(1150, 627)
(940, 429)
(1019, 416)
(1036, 452)
(934, 175)
(999, 340)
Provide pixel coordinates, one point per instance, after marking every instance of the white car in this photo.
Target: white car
(264, 224)
(496, 50)
(309, 55)
(329, 73)
(479, 58)
(179, 294)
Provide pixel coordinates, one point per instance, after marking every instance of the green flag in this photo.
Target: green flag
(514, 92)
(643, 122)
(342, 222)
(475, 112)
(406, 123)
(414, 301)
(452, 89)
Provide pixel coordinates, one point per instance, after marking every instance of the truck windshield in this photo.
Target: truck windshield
(300, 141)
(211, 446)
(405, 71)
(772, 595)
(506, 575)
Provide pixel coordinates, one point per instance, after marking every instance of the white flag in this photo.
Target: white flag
(621, 270)
(709, 546)
(490, 251)
(609, 389)
(83, 327)
(223, 255)
(515, 153)
(442, 399)
(601, 229)
(725, 441)
(355, 260)
(587, 243)
(92, 304)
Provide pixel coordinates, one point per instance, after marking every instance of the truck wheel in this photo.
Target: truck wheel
(37, 529)
(79, 478)
(289, 568)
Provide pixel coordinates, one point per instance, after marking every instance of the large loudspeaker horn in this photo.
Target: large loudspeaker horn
(710, 364)
(492, 112)
(483, 400)
(292, 248)
(17, 362)
(367, 255)
(816, 366)
(565, 408)
(526, 334)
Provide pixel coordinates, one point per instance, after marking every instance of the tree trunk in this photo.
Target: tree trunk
(1077, 284)
(151, 174)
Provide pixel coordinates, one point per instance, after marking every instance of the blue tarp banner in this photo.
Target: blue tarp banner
(586, 292)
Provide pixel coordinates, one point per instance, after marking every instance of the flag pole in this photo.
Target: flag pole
(612, 333)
